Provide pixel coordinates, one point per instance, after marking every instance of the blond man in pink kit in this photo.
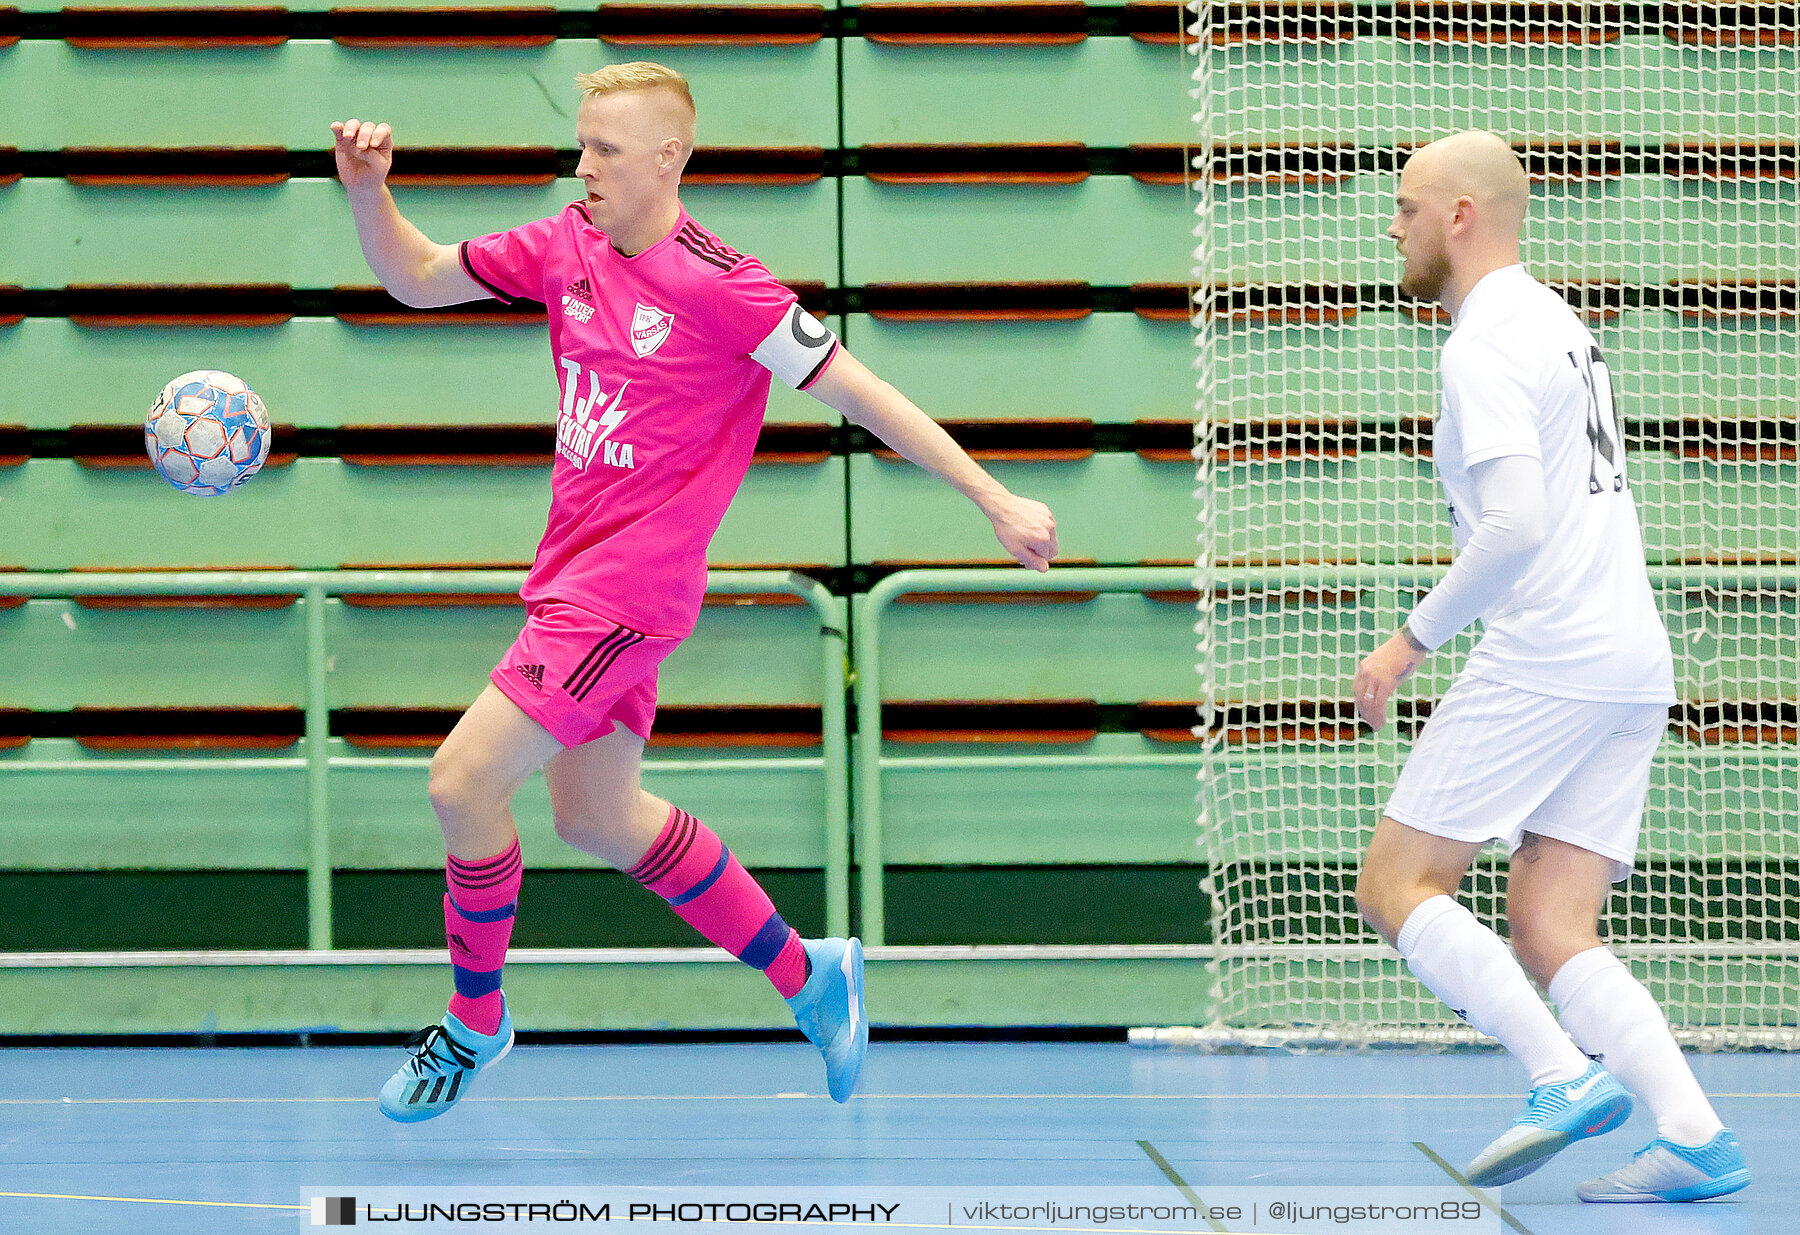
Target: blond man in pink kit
(665, 339)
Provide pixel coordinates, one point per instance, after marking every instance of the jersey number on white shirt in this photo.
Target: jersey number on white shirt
(1605, 434)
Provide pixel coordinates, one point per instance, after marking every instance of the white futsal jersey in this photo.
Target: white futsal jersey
(1522, 376)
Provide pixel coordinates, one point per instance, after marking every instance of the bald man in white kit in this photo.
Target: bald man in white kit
(1546, 737)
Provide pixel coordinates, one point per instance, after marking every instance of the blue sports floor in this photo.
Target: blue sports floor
(229, 1138)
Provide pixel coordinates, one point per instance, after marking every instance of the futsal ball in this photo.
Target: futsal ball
(207, 433)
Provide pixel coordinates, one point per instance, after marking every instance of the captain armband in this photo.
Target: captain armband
(798, 349)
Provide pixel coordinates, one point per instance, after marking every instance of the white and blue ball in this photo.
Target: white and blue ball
(207, 433)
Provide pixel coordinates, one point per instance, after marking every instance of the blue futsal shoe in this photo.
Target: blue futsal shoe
(1555, 1116)
(445, 1059)
(829, 1011)
(1665, 1171)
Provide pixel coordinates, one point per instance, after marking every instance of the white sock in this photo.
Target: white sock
(1610, 1015)
(1470, 968)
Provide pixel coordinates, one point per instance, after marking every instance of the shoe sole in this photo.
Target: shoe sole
(1525, 1157)
(852, 960)
(1724, 1185)
(419, 1114)
(1529, 1155)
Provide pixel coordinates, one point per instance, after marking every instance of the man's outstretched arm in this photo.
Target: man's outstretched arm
(414, 270)
(1025, 529)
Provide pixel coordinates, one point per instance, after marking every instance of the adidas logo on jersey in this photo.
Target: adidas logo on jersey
(578, 301)
(533, 674)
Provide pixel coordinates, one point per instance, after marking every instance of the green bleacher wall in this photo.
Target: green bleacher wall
(996, 222)
(988, 203)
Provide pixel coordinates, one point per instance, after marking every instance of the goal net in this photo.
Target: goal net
(1661, 146)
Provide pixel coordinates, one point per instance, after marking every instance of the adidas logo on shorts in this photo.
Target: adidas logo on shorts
(533, 674)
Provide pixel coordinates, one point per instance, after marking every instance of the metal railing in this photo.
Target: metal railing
(315, 586)
(839, 760)
(867, 610)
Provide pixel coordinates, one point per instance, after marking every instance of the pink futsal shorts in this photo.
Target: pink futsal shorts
(577, 674)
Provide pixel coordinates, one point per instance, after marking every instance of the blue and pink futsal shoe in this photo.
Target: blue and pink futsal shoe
(1555, 1117)
(445, 1058)
(829, 1011)
(1665, 1171)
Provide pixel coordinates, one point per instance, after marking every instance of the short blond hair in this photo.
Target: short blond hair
(640, 75)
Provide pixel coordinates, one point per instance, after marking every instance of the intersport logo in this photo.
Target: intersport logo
(578, 301)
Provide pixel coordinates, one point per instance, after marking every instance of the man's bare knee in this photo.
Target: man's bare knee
(1370, 903)
(1386, 907)
(446, 786)
(585, 829)
(1556, 894)
(1543, 947)
(618, 833)
(457, 790)
(1403, 869)
(1385, 898)
(1535, 945)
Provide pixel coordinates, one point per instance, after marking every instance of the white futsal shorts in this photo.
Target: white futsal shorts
(1495, 762)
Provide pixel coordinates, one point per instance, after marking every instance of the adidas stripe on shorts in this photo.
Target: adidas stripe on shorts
(1495, 762)
(577, 673)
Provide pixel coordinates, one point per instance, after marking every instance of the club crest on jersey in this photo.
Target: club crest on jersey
(649, 327)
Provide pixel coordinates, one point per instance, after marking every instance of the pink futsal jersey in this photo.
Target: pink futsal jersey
(664, 359)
